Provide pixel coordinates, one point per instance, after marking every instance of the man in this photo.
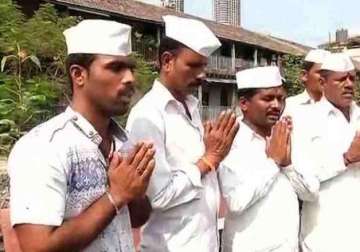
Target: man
(331, 223)
(184, 189)
(69, 187)
(258, 176)
(310, 77)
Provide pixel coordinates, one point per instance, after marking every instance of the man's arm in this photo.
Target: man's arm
(72, 235)
(128, 179)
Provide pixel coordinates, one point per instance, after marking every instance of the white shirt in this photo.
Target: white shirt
(296, 102)
(57, 171)
(332, 222)
(263, 206)
(185, 206)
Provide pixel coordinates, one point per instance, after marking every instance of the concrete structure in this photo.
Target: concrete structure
(227, 12)
(240, 48)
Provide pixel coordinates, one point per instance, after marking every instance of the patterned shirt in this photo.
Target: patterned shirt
(57, 171)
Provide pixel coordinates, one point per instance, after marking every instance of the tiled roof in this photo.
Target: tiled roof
(151, 13)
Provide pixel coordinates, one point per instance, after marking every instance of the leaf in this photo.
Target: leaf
(3, 62)
(35, 60)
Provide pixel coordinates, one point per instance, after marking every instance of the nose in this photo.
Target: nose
(201, 76)
(128, 77)
(276, 104)
(349, 83)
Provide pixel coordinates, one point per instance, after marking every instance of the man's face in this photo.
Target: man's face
(311, 79)
(265, 107)
(110, 84)
(339, 88)
(186, 71)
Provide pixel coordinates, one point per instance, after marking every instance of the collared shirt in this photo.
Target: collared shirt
(332, 222)
(185, 205)
(57, 171)
(294, 103)
(263, 207)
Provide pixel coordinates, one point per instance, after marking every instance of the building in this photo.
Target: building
(227, 12)
(344, 43)
(240, 48)
(177, 5)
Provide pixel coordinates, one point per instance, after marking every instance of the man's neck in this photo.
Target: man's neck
(179, 96)
(314, 96)
(261, 131)
(97, 119)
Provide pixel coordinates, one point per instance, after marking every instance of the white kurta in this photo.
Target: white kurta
(185, 206)
(331, 223)
(263, 207)
(296, 102)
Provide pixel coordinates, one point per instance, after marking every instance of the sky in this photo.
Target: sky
(305, 21)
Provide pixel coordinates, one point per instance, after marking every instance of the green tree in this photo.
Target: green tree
(291, 66)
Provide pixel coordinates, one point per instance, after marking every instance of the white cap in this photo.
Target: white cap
(259, 77)
(95, 36)
(338, 62)
(192, 33)
(316, 56)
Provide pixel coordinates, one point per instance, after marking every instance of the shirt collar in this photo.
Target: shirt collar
(89, 131)
(305, 98)
(329, 109)
(246, 134)
(164, 98)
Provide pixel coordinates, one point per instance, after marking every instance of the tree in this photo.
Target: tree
(291, 66)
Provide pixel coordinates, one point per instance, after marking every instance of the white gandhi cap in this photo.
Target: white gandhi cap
(95, 36)
(338, 62)
(316, 56)
(259, 77)
(192, 33)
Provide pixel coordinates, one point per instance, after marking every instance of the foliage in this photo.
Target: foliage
(292, 66)
(33, 81)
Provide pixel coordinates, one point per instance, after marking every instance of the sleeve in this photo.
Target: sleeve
(37, 184)
(169, 186)
(330, 163)
(302, 172)
(244, 180)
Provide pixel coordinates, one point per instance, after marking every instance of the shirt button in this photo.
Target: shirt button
(74, 118)
(91, 133)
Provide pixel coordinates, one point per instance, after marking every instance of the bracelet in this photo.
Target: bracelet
(208, 163)
(112, 201)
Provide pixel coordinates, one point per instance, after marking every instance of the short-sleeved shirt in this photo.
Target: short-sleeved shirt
(57, 171)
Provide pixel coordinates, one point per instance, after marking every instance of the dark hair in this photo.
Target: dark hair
(247, 93)
(169, 45)
(308, 65)
(82, 59)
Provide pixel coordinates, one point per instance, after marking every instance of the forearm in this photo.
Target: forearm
(180, 188)
(73, 235)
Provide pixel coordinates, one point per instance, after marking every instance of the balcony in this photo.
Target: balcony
(224, 64)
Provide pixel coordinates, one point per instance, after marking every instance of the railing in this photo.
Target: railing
(220, 63)
(149, 53)
(217, 62)
(211, 112)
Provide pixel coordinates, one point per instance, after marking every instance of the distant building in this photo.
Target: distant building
(344, 43)
(227, 12)
(177, 5)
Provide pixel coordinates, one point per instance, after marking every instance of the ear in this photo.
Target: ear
(167, 61)
(78, 75)
(243, 104)
(322, 82)
(304, 76)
